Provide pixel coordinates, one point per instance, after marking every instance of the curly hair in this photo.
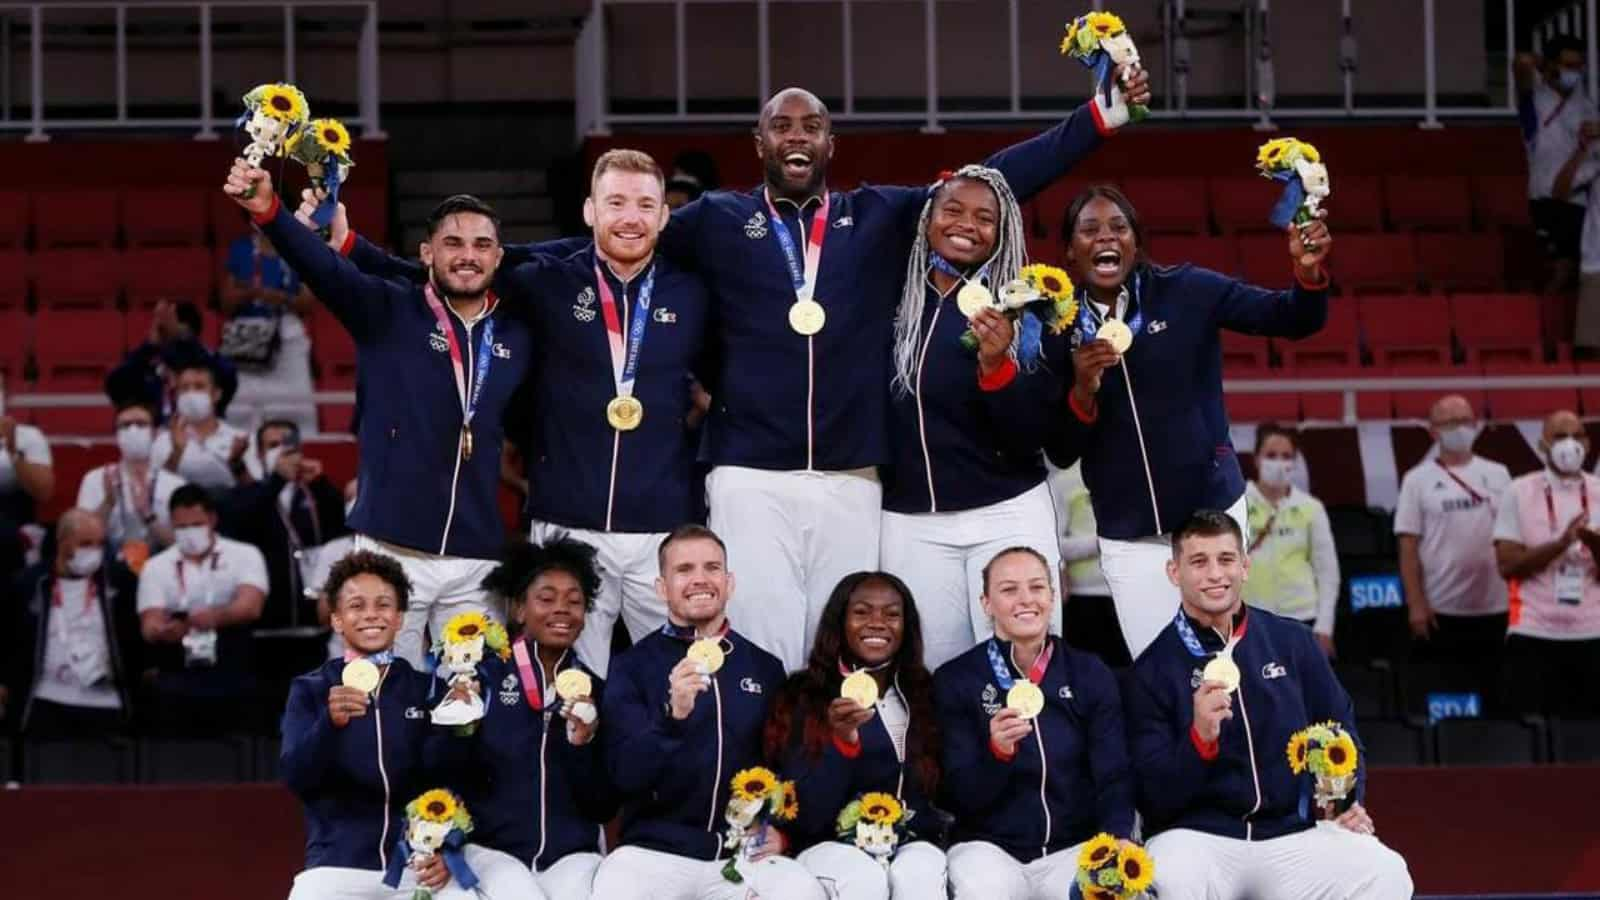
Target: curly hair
(803, 700)
(367, 562)
(522, 562)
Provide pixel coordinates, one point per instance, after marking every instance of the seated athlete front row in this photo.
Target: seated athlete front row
(1017, 797)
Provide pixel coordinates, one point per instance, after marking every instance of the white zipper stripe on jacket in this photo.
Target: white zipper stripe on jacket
(922, 428)
(616, 436)
(1250, 745)
(811, 408)
(383, 773)
(716, 785)
(1044, 804)
(1144, 454)
(544, 737)
(455, 477)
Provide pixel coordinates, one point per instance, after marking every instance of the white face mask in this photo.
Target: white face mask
(85, 561)
(1274, 471)
(193, 540)
(195, 405)
(1566, 455)
(134, 442)
(1569, 79)
(269, 461)
(1457, 438)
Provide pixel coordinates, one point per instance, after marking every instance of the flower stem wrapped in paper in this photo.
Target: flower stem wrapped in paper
(323, 147)
(465, 640)
(1328, 752)
(1101, 42)
(436, 823)
(874, 823)
(273, 115)
(1109, 869)
(758, 800)
(1305, 179)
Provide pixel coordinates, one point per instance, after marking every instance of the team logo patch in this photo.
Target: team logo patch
(756, 227)
(1065, 693)
(414, 713)
(664, 316)
(750, 685)
(843, 222)
(1195, 679)
(509, 690)
(1272, 670)
(1157, 326)
(990, 699)
(438, 343)
(583, 307)
(501, 351)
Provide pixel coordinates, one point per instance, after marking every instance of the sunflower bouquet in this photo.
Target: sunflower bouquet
(1305, 179)
(466, 638)
(1109, 869)
(1044, 291)
(1100, 41)
(323, 147)
(1329, 753)
(273, 115)
(874, 823)
(758, 799)
(436, 823)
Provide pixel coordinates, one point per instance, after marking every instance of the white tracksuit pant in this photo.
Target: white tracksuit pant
(441, 588)
(1327, 862)
(846, 873)
(941, 556)
(1145, 598)
(634, 873)
(569, 878)
(628, 570)
(500, 877)
(980, 870)
(791, 537)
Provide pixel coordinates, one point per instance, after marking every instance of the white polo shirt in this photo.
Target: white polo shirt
(77, 658)
(125, 521)
(205, 462)
(33, 447)
(1555, 138)
(174, 582)
(1455, 532)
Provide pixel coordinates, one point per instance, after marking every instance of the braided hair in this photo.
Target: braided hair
(1009, 256)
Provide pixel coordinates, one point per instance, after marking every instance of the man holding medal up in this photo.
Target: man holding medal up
(438, 365)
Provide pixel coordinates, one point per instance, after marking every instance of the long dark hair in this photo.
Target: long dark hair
(806, 695)
(1069, 224)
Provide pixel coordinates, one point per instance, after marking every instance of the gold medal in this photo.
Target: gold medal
(361, 674)
(1117, 332)
(860, 687)
(572, 684)
(466, 442)
(624, 413)
(807, 317)
(973, 297)
(1026, 698)
(1223, 670)
(708, 653)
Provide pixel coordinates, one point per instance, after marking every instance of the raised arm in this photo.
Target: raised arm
(1298, 312)
(1032, 165)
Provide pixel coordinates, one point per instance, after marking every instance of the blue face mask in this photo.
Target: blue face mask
(1570, 79)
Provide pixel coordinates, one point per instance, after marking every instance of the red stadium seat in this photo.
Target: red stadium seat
(1049, 207)
(1409, 330)
(1244, 354)
(335, 418)
(1356, 204)
(1416, 404)
(76, 347)
(73, 421)
(335, 352)
(1530, 403)
(1329, 406)
(73, 218)
(1589, 397)
(77, 277)
(14, 333)
(367, 206)
(13, 277)
(13, 218)
(1428, 201)
(1494, 328)
(1338, 344)
(1044, 249)
(1169, 205)
(165, 216)
(1264, 260)
(1501, 201)
(228, 221)
(171, 273)
(1372, 263)
(1219, 254)
(1463, 262)
(1262, 407)
(1241, 203)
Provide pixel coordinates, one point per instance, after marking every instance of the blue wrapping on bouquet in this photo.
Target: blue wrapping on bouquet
(332, 177)
(454, 860)
(1293, 198)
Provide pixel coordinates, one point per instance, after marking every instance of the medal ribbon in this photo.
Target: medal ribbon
(1002, 669)
(1090, 320)
(949, 268)
(1550, 501)
(805, 279)
(90, 593)
(469, 402)
(688, 632)
(139, 492)
(1191, 641)
(625, 359)
(1476, 497)
(381, 658)
(532, 680)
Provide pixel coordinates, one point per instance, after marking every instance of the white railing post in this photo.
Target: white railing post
(589, 75)
(1511, 56)
(5, 68)
(207, 132)
(1592, 51)
(930, 41)
(1180, 56)
(1015, 33)
(371, 129)
(1347, 56)
(848, 27)
(680, 55)
(763, 52)
(288, 43)
(1266, 92)
(36, 73)
(122, 63)
(1430, 61)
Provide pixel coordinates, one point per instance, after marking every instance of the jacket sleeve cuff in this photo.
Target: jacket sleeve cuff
(1100, 125)
(1320, 283)
(349, 243)
(270, 214)
(1086, 417)
(999, 378)
(1001, 754)
(847, 750)
(1208, 750)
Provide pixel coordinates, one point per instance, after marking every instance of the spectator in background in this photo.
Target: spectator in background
(74, 641)
(1555, 116)
(198, 445)
(317, 580)
(693, 173)
(1445, 525)
(149, 370)
(1577, 179)
(265, 335)
(196, 601)
(132, 495)
(1294, 569)
(27, 479)
(1089, 619)
(1546, 543)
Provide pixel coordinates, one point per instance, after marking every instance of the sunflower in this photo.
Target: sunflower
(283, 102)
(465, 627)
(1270, 154)
(1071, 40)
(1066, 311)
(1341, 756)
(880, 808)
(1048, 280)
(754, 784)
(1097, 893)
(332, 135)
(496, 639)
(1136, 868)
(438, 806)
(1101, 848)
(1105, 24)
(1309, 152)
(1298, 745)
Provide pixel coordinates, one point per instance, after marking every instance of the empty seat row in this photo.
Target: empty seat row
(1374, 404)
(1479, 742)
(1359, 263)
(220, 760)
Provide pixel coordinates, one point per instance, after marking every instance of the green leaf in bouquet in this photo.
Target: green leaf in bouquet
(731, 871)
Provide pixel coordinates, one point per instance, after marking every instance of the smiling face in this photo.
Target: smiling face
(1210, 571)
(695, 581)
(874, 623)
(366, 614)
(627, 212)
(552, 610)
(1019, 597)
(463, 254)
(964, 222)
(794, 140)
(1103, 247)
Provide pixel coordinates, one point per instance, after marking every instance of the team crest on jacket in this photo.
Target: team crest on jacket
(664, 316)
(1194, 679)
(508, 690)
(749, 685)
(990, 699)
(437, 341)
(756, 227)
(583, 309)
(1272, 670)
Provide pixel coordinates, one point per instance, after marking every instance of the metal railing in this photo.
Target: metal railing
(596, 118)
(208, 123)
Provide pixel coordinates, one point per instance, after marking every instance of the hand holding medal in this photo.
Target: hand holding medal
(692, 675)
(576, 688)
(855, 706)
(350, 698)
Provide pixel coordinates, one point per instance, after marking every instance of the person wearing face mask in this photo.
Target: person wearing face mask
(835, 749)
(1556, 119)
(968, 475)
(1035, 757)
(1294, 568)
(74, 651)
(1546, 543)
(132, 495)
(1444, 521)
(325, 557)
(1149, 423)
(197, 601)
(197, 445)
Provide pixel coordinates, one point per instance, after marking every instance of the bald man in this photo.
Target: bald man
(1546, 543)
(70, 665)
(1455, 597)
